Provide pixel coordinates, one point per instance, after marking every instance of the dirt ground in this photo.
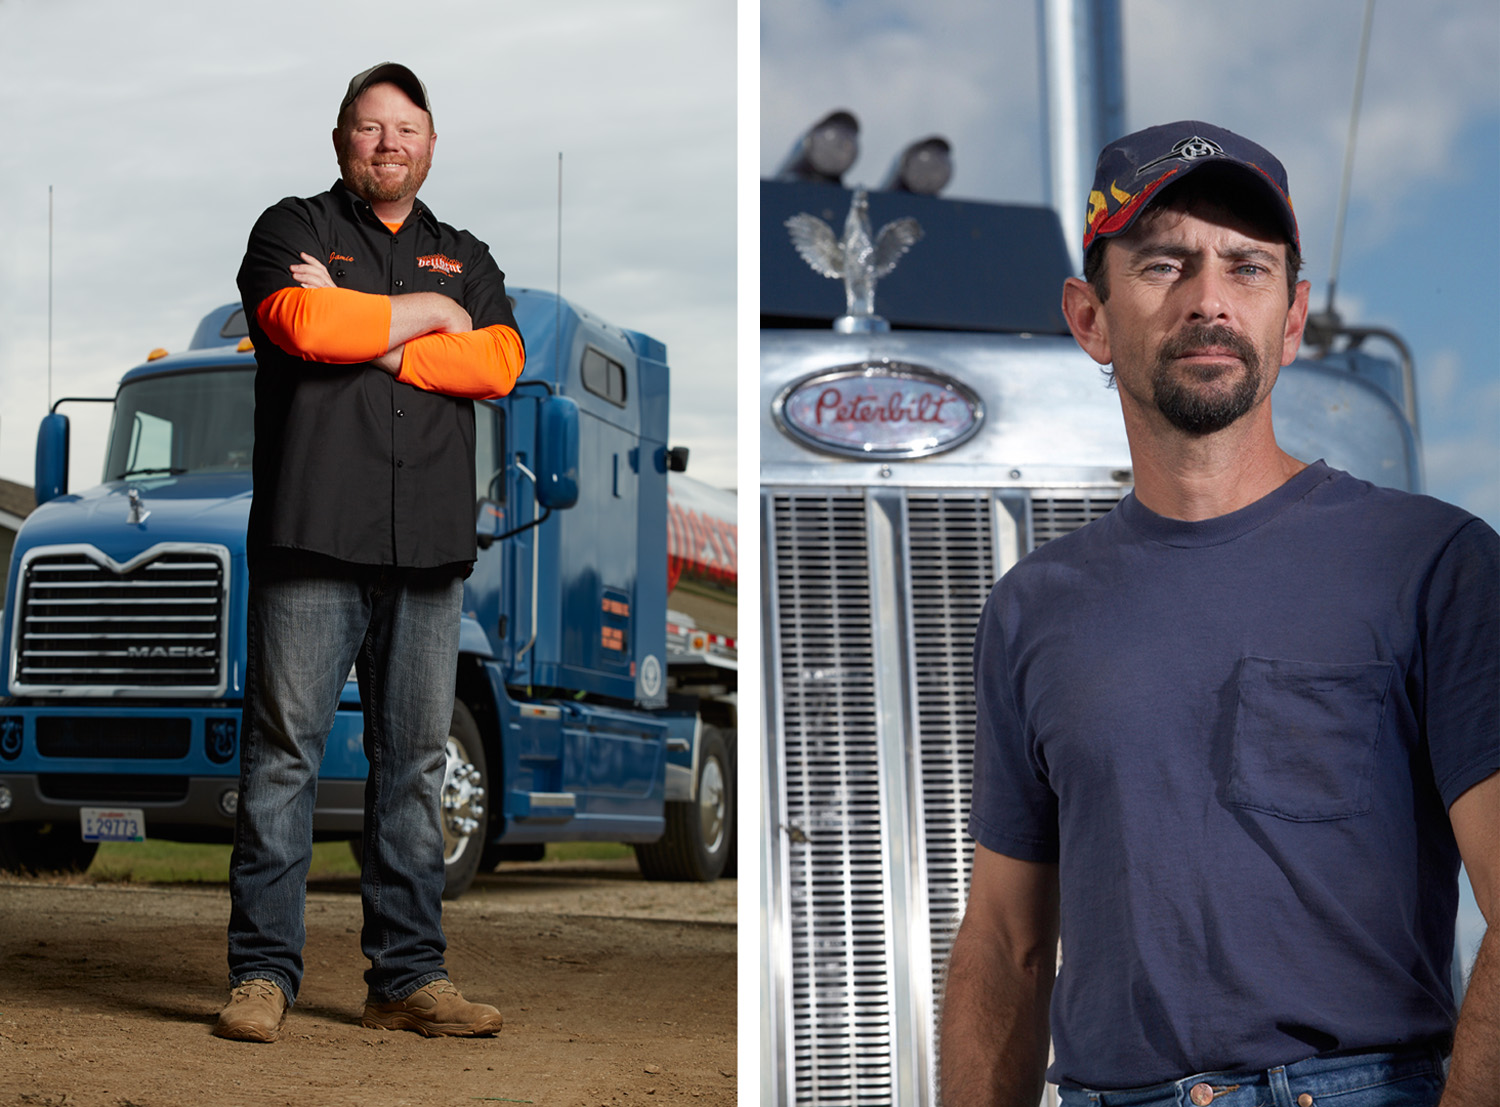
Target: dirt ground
(615, 991)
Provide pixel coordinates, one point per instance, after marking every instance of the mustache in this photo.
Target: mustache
(1189, 339)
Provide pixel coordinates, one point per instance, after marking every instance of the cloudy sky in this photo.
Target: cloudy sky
(164, 127)
(1424, 224)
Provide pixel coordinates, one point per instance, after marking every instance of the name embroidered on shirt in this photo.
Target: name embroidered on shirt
(335, 256)
(440, 264)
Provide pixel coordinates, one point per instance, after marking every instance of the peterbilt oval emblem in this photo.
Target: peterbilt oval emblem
(880, 410)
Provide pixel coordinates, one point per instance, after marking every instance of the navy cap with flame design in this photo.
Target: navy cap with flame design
(1132, 169)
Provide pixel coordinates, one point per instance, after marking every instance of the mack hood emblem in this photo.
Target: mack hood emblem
(138, 514)
(883, 410)
(857, 258)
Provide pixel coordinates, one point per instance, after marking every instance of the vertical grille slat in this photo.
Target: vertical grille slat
(155, 629)
(841, 1042)
(840, 978)
(951, 538)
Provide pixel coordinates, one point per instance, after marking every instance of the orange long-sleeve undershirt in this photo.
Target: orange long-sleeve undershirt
(334, 325)
(343, 327)
(479, 365)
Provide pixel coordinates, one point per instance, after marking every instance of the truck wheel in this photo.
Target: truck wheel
(465, 787)
(698, 833)
(39, 848)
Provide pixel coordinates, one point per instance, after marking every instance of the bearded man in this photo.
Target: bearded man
(1235, 736)
(375, 326)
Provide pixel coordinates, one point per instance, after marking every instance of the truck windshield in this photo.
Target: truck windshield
(192, 422)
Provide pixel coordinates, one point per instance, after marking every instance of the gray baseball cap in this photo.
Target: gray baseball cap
(394, 72)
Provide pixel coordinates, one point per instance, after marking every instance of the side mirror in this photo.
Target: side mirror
(489, 522)
(557, 453)
(51, 458)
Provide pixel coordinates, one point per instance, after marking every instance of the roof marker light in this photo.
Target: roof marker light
(925, 167)
(824, 151)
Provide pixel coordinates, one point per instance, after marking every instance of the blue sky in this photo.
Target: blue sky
(1424, 220)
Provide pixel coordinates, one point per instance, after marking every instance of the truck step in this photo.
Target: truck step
(545, 806)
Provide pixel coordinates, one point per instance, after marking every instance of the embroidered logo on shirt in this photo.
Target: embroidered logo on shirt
(336, 256)
(440, 264)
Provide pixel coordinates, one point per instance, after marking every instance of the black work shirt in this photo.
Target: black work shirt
(350, 462)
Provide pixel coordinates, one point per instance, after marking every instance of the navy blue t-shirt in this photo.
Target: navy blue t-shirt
(1239, 739)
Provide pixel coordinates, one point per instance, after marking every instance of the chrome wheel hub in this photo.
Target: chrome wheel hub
(463, 801)
(713, 802)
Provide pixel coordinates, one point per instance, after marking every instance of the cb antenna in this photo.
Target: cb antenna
(49, 297)
(1324, 326)
(1329, 322)
(557, 323)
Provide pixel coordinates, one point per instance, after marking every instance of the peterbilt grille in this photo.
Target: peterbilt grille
(840, 974)
(835, 746)
(156, 628)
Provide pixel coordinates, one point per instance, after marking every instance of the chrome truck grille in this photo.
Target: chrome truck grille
(86, 625)
(873, 598)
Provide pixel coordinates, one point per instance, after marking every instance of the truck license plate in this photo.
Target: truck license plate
(113, 824)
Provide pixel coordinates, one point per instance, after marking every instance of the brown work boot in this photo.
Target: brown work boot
(256, 1010)
(435, 1010)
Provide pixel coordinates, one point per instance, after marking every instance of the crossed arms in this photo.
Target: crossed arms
(424, 339)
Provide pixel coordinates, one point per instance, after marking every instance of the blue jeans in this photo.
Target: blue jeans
(1410, 1078)
(309, 620)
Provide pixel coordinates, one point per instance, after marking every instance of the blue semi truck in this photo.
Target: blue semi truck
(585, 708)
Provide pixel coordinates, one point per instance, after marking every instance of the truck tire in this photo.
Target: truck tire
(465, 811)
(34, 849)
(698, 833)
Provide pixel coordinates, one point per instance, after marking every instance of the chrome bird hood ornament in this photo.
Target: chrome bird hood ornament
(859, 259)
(137, 515)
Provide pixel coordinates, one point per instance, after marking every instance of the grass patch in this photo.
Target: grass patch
(587, 851)
(157, 862)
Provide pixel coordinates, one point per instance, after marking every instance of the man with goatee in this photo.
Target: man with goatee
(1235, 736)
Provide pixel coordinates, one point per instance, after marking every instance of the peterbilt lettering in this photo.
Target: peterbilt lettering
(924, 408)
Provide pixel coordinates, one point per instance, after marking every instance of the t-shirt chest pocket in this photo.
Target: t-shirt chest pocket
(1304, 737)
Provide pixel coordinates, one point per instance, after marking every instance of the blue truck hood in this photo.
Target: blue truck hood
(198, 507)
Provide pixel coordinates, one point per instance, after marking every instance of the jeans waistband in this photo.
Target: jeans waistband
(1359, 1066)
